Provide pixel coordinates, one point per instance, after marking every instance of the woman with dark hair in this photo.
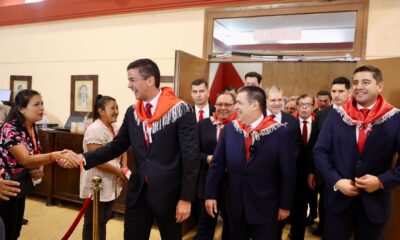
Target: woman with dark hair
(112, 173)
(21, 155)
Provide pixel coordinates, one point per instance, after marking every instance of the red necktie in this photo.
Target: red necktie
(201, 116)
(272, 116)
(247, 143)
(147, 110)
(305, 133)
(362, 134)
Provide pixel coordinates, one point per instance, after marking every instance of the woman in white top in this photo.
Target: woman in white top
(99, 133)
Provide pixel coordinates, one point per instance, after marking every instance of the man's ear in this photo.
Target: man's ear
(380, 86)
(151, 81)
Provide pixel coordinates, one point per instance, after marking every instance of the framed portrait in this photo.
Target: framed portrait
(83, 93)
(18, 83)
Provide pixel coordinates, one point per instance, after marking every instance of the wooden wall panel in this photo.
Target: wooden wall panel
(296, 78)
(187, 69)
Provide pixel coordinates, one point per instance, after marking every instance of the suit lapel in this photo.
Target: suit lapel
(371, 135)
(257, 145)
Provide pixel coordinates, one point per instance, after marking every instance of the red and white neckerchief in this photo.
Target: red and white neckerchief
(353, 116)
(221, 124)
(266, 127)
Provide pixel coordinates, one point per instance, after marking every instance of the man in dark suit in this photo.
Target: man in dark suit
(354, 153)
(275, 102)
(162, 132)
(259, 157)
(200, 95)
(305, 121)
(209, 132)
(274, 96)
(340, 92)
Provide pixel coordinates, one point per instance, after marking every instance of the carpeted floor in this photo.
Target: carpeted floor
(51, 222)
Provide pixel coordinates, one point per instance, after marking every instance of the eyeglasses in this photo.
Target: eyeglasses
(224, 104)
(305, 105)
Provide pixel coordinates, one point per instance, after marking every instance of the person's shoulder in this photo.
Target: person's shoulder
(94, 127)
(288, 117)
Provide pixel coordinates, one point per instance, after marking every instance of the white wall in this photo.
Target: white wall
(52, 52)
(383, 29)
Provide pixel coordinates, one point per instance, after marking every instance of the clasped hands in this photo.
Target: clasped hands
(368, 183)
(67, 158)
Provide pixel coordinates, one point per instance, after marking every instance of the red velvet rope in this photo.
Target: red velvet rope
(77, 219)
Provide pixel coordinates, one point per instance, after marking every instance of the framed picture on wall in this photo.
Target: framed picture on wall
(18, 83)
(83, 93)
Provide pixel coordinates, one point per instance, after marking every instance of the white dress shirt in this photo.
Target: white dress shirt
(359, 108)
(278, 117)
(206, 111)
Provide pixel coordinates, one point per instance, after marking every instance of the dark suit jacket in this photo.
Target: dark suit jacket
(171, 161)
(336, 156)
(259, 186)
(208, 142)
(318, 123)
(293, 126)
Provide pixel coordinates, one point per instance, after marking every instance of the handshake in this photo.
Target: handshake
(67, 158)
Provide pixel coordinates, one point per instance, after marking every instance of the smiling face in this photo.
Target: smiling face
(275, 102)
(110, 112)
(245, 109)
(224, 106)
(365, 88)
(34, 111)
(140, 87)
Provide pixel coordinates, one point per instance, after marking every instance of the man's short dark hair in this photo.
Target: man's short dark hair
(342, 80)
(306, 95)
(200, 81)
(230, 88)
(254, 74)
(376, 72)
(255, 94)
(324, 93)
(146, 68)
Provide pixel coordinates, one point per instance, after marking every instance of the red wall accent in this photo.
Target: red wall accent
(225, 76)
(50, 10)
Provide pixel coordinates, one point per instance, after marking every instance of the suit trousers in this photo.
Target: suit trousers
(140, 218)
(206, 224)
(2, 230)
(105, 214)
(241, 230)
(354, 219)
(12, 212)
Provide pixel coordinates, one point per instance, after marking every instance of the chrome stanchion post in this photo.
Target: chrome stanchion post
(96, 199)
